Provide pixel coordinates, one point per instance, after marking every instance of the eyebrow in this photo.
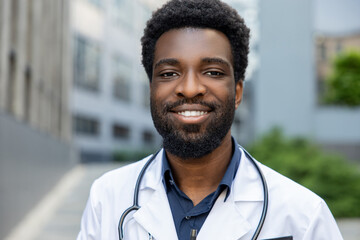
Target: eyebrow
(174, 61)
(166, 61)
(216, 60)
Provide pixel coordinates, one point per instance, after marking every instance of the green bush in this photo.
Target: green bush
(329, 175)
(130, 155)
(343, 86)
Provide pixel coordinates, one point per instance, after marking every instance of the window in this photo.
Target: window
(123, 13)
(146, 95)
(121, 75)
(11, 83)
(148, 137)
(27, 93)
(87, 64)
(86, 125)
(121, 132)
(145, 90)
(339, 47)
(323, 53)
(97, 3)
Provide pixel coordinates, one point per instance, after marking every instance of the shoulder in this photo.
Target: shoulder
(118, 179)
(297, 208)
(280, 185)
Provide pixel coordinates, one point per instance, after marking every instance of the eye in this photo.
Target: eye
(214, 73)
(168, 74)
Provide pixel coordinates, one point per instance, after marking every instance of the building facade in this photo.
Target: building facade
(110, 107)
(35, 78)
(35, 72)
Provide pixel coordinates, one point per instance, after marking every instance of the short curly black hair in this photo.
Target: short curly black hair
(212, 14)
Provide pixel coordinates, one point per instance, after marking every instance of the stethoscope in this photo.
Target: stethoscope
(136, 206)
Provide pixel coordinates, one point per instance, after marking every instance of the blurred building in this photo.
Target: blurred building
(285, 89)
(243, 125)
(35, 78)
(110, 107)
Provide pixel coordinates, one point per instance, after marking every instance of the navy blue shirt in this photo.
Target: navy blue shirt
(187, 216)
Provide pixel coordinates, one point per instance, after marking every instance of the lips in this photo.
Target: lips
(191, 109)
(191, 113)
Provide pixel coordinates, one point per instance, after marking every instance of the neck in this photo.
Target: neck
(198, 177)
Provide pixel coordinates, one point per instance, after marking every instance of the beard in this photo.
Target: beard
(193, 140)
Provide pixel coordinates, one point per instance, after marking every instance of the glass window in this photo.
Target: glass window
(123, 13)
(121, 76)
(87, 64)
(146, 92)
(339, 47)
(323, 52)
(96, 3)
(86, 125)
(121, 131)
(148, 137)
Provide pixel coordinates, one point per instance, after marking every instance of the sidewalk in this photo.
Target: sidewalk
(58, 216)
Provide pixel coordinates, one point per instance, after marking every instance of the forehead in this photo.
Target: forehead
(190, 43)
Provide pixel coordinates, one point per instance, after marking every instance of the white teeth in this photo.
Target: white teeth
(192, 113)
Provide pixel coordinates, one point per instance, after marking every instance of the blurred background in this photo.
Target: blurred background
(74, 102)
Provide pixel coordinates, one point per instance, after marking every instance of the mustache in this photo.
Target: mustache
(169, 106)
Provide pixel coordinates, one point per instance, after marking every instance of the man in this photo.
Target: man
(201, 185)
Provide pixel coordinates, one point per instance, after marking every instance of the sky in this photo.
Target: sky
(337, 16)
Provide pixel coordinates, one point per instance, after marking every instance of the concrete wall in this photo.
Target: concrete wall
(31, 162)
(285, 88)
(35, 64)
(338, 129)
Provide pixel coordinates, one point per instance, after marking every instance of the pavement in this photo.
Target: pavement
(57, 216)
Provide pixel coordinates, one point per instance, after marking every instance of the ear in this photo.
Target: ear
(238, 93)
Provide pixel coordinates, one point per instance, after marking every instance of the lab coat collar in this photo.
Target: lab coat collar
(247, 185)
(155, 213)
(231, 223)
(152, 176)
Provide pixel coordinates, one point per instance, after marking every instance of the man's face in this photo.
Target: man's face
(193, 92)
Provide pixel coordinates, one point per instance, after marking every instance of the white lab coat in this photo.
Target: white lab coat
(293, 210)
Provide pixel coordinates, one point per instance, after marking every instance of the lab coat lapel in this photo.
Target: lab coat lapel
(247, 185)
(230, 220)
(155, 214)
(224, 221)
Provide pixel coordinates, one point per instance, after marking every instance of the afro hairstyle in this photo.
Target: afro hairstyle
(212, 14)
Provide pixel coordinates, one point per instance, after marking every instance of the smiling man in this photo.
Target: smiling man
(201, 184)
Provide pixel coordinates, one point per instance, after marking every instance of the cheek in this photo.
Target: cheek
(161, 92)
(222, 91)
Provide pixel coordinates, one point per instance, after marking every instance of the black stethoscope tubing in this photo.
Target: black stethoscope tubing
(136, 206)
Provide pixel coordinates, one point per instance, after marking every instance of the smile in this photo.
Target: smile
(192, 113)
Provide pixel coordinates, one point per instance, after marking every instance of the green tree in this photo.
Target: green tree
(328, 175)
(343, 85)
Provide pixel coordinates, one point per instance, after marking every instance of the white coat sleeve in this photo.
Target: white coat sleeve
(323, 225)
(90, 221)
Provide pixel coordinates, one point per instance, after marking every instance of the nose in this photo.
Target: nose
(190, 86)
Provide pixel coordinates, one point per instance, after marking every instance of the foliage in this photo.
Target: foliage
(330, 176)
(130, 155)
(343, 86)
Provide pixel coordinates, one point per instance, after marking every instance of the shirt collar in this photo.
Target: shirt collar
(226, 180)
